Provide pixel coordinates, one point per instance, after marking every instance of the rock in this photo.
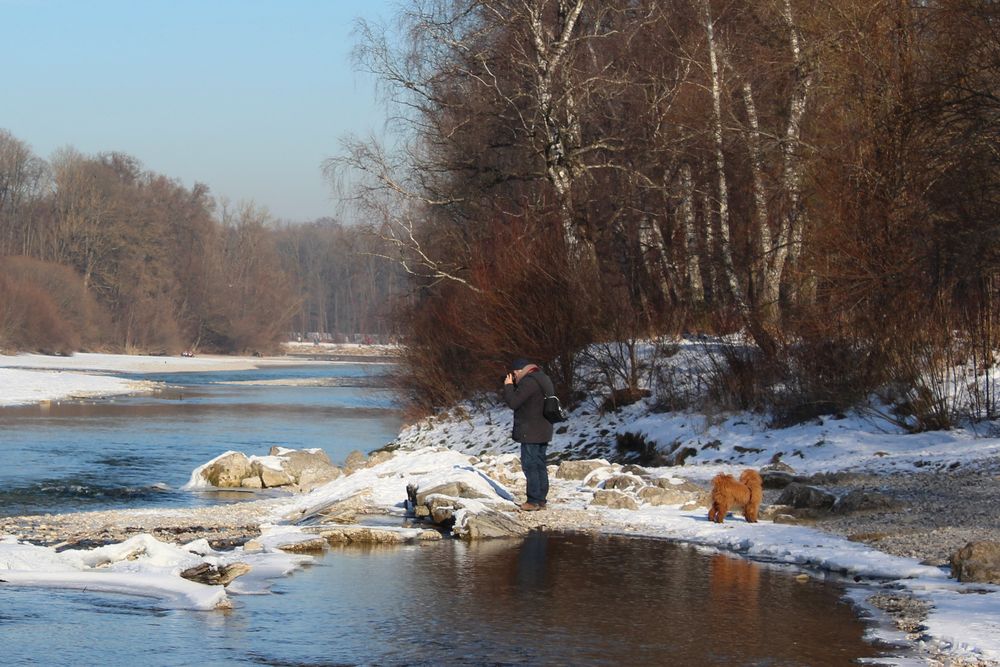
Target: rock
(252, 482)
(670, 484)
(770, 512)
(450, 489)
(633, 469)
(776, 479)
(309, 468)
(306, 469)
(379, 457)
(804, 496)
(777, 466)
(442, 508)
(614, 499)
(373, 535)
(342, 511)
(785, 519)
(860, 500)
(215, 576)
(679, 455)
(270, 477)
(356, 460)
(579, 469)
(656, 495)
(978, 562)
(227, 471)
(504, 469)
(312, 478)
(316, 544)
(489, 524)
(624, 482)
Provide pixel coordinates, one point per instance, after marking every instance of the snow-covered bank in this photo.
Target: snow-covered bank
(25, 387)
(141, 566)
(136, 363)
(494, 482)
(36, 378)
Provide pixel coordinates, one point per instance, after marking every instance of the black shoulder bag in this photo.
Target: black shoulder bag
(552, 409)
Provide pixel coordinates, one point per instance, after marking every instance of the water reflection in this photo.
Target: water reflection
(549, 600)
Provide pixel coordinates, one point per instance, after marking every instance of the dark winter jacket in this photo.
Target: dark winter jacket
(526, 399)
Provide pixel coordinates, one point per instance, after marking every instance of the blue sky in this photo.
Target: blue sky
(246, 96)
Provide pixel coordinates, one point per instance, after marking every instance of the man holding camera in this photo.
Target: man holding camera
(524, 391)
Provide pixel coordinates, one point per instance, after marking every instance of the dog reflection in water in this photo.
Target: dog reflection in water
(745, 492)
(735, 586)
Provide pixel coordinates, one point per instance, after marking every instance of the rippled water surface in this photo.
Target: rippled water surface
(140, 450)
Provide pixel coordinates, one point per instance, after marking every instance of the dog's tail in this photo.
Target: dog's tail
(752, 480)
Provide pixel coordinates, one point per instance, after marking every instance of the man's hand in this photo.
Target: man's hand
(509, 379)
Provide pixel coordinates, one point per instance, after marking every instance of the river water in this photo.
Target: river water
(546, 600)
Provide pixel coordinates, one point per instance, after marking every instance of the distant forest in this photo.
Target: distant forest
(820, 176)
(97, 253)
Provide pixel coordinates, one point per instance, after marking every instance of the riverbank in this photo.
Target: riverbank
(937, 617)
(942, 487)
(27, 379)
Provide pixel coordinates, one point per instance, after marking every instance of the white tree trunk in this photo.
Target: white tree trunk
(689, 236)
(725, 244)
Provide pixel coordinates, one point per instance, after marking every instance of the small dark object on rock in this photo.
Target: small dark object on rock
(215, 576)
(747, 450)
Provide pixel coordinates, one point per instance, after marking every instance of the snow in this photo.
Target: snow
(142, 566)
(37, 378)
(24, 387)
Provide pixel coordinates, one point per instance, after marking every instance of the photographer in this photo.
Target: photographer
(524, 391)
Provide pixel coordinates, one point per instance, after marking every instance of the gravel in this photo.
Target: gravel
(936, 513)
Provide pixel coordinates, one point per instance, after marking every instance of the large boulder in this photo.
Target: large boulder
(657, 495)
(579, 469)
(624, 483)
(803, 496)
(678, 484)
(614, 499)
(304, 469)
(488, 524)
(456, 489)
(776, 479)
(860, 500)
(228, 470)
(270, 477)
(356, 460)
(978, 562)
(308, 468)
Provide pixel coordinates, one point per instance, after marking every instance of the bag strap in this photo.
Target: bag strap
(551, 391)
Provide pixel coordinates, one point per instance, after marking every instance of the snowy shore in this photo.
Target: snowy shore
(961, 624)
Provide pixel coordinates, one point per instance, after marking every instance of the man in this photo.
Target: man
(524, 390)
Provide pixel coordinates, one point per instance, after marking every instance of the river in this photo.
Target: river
(550, 599)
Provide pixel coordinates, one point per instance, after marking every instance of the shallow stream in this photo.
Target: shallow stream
(547, 600)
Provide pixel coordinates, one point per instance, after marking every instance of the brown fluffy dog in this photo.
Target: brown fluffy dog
(728, 492)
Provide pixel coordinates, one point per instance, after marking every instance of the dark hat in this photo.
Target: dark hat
(518, 364)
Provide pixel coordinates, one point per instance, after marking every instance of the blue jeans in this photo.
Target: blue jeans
(535, 471)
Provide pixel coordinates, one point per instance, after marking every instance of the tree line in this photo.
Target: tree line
(97, 252)
(821, 176)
